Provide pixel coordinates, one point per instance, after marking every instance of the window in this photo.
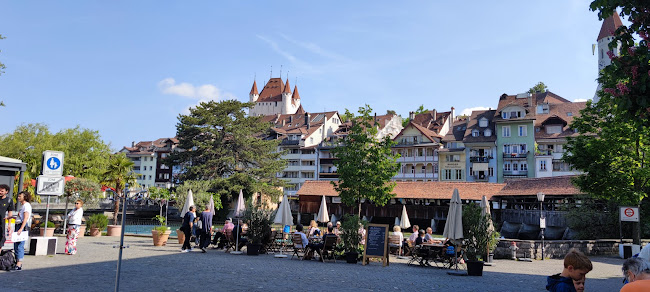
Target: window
(542, 165)
(163, 166)
(523, 148)
(453, 158)
(490, 171)
(506, 166)
(475, 133)
(307, 162)
(471, 171)
(163, 155)
(524, 166)
(292, 163)
(487, 133)
(447, 174)
(506, 131)
(506, 149)
(504, 115)
(459, 174)
(522, 131)
(136, 168)
(307, 175)
(149, 177)
(554, 129)
(569, 114)
(483, 123)
(514, 167)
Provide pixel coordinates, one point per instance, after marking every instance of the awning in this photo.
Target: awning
(479, 166)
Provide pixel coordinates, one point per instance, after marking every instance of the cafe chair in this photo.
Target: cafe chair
(394, 242)
(297, 249)
(328, 248)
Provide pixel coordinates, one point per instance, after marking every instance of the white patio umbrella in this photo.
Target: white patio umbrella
(404, 222)
(283, 216)
(211, 206)
(189, 201)
(454, 225)
(323, 217)
(485, 210)
(238, 213)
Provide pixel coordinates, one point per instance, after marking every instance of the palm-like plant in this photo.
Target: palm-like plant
(118, 173)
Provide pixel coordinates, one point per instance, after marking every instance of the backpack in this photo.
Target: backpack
(7, 260)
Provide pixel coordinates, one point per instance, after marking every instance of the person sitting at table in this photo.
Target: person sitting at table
(414, 235)
(317, 246)
(303, 236)
(220, 237)
(420, 239)
(429, 236)
(337, 229)
(313, 229)
(398, 231)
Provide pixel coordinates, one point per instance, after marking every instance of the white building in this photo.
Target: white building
(276, 98)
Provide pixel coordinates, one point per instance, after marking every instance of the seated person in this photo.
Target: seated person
(429, 236)
(362, 233)
(337, 229)
(398, 231)
(313, 229)
(420, 239)
(220, 236)
(299, 229)
(318, 246)
(414, 235)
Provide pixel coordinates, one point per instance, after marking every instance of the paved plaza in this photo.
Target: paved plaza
(149, 268)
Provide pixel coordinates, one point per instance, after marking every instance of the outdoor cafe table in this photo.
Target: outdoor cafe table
(432, 252)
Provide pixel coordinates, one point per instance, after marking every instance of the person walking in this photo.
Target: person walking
(206, 229)
(6, 206)
(74, 223)
(23, 223)
(186, 227)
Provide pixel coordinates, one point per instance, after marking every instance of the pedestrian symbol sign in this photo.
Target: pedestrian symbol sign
(52, 163)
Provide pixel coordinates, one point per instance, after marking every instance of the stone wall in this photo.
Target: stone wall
(556, 249)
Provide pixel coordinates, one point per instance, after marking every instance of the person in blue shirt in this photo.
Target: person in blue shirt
(186, 227)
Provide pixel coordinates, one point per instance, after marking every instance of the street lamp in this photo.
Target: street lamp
(542, 218)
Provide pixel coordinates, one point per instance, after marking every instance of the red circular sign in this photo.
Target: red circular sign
(629, 212)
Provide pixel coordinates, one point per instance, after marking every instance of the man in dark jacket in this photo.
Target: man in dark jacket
(206, 229)
(6, 205)
(186, 227)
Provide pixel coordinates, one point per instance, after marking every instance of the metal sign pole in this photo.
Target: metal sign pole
(47, 214)
(119, 260)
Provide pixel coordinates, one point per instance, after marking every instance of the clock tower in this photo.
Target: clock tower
(605, 37)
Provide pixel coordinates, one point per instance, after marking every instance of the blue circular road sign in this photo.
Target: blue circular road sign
(53, 163)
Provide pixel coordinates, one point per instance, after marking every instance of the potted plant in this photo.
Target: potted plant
(97, 223)
(160, 233)
(50, 229)
(259, 219)
(350, 237)
(480, 238)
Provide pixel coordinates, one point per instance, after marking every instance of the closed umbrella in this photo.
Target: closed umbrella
(485, 210)
(404, 222)
(189, 201)
(283, 216)
(454, 225)
(323, 217)
(238, 213)
(211, 206)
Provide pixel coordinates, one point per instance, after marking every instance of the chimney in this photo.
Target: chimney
(375, 118)
(307, 119)
(530, 100)
(435, 115)
(132, 143)
(452, 118)
(290, 119)
(411, 116)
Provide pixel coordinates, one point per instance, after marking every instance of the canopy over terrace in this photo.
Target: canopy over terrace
(425, 200)
(517, 201)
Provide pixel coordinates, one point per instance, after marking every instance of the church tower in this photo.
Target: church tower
(287, 101)
(254, 95)
(605, 37)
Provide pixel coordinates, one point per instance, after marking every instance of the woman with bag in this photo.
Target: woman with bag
(22, 225)
(74, 222)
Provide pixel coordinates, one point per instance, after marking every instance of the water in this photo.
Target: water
(146, 229)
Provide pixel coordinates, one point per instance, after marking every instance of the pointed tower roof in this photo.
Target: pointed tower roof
(295, 92)
(254, 89)
(610, 24)
(287, 88)
(300, 110)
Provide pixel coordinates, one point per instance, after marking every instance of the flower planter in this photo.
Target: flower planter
(50, 231)
(253, 249)
(95, 232)
(351, 257)
(474, 268)
(82, 230)
(181, 236)
(114, 230)
(160, 239)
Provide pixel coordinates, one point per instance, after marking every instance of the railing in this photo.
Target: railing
(553, 218)
(481, 178)
(479, 158)
(331, 144)
(515, 172)
(289, 142)
(543, 152)
(515, 155)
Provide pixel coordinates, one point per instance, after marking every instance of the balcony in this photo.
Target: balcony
(429, 158)
(330, 144)
(480, 177)
(515, 173)
(414, 175)
(328, 175)
(286, 142)
(544, 152)
(484, 159)
(515, 155)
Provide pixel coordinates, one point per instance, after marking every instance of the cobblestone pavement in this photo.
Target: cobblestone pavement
(149, 268)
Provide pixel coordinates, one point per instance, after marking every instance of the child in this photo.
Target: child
(579, 285)
(576, 266)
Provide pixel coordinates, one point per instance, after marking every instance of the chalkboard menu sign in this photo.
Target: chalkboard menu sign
(376, 243)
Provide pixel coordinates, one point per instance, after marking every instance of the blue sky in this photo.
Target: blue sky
(128, 68)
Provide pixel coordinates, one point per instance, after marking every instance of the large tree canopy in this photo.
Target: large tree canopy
(223, 143)
(365, 163)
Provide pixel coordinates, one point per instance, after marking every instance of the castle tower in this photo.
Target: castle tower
(254, 95)
(605, 37)
(287, 101)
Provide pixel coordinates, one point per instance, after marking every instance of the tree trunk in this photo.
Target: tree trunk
(116, 208)
(359, 213)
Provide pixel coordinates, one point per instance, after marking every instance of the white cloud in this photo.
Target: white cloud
(468, 111)
(201, 93)
(580, 100)
(206, 91)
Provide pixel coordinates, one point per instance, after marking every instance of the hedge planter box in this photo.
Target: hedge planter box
(253, 249)
(50, 232)
(95, 232)
(114, 230)
(82, 230)
(181, 236)
(474, 268)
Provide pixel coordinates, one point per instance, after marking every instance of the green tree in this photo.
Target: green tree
(365, 164)
(540, 86)
(201, 192)
(118, 173)
(160, 195)
(225, 144)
